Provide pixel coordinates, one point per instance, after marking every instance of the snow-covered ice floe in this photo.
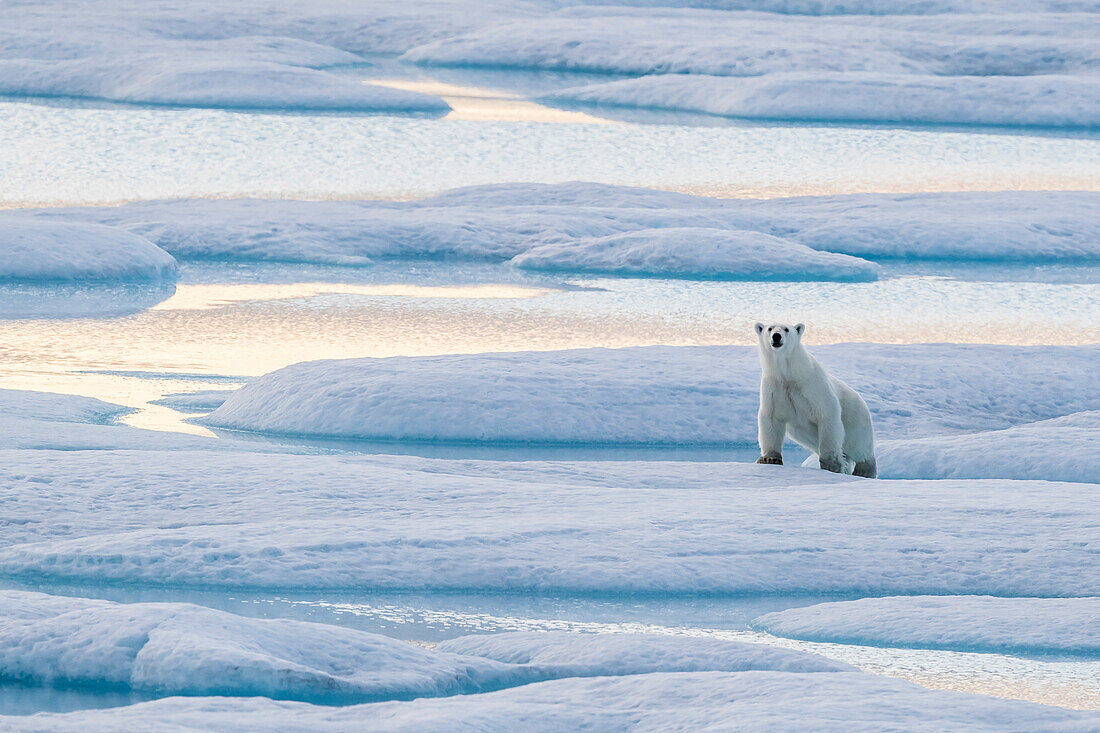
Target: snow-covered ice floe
(183, 649)
(664, 395)
(229, 519)
(35, 249)
(1041, 101)
(844, 702)
(566, 654)
(1060, 449)
(697, 253)
(982, 62)
(990, 65)
(968, 623)
(210, 56)
(577, 226)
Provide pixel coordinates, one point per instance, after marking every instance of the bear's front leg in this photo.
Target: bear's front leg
(830, 444)
(771, 436)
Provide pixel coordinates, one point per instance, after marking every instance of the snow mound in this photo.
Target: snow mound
(207, 81)
(844, 702)
(690, 41)
(564, 654)
(501, 222)
(47, 406)
(966, 623)
(225, 519)
(1061, 449)
(182, 649)
(204, 401)
(1041, 101)
(33, 249)
(697, 253)
(653, 395)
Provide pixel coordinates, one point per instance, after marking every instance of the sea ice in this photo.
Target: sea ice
(35, 249)
(565, 654)
(228, 519)
(1060, 449)
(182, 649)
(968, 623)
(658, 395)
(844, 702)
(533, 222)
(1040, 101)
(697, 253)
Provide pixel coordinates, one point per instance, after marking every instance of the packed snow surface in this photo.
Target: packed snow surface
(659, 395)
(182, 649)
(970, 623)
(1040, 101)
(228, 519)
(575, 224)
(1060, 449)
(844, 702)
(33, 249)
(595, 655)
(266, 54)
(697, 253)
(691, 41)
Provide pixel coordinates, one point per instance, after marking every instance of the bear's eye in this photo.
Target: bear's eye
(786, 330)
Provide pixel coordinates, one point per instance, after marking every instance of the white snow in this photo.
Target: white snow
(656, 395)
(265, 54)
(51, 407)
(1042, 101)
(1060, 449)
(34, 249)
(971, 623)
(565, 654)
(844, 702)
(183, 649)
(1000, 67)
(688, 41)
(225, 519)
(697, 253)
(538, 223)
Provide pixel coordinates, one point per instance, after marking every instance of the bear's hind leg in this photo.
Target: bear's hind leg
(866, 469)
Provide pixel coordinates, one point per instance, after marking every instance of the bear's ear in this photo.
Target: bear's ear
(800, 327)
(759, 328)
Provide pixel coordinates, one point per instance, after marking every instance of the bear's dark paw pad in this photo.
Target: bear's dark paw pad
(771, 460)
(831, 464)
(866, 469)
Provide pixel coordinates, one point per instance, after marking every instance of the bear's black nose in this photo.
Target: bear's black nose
(777, 340)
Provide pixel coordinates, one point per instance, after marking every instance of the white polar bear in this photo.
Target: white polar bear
(820, 412)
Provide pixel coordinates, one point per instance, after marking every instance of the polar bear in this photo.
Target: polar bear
(820, 412)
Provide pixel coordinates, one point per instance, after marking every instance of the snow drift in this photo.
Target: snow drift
(697, 253)
(564, 654)
(654, 395)
(570, 225)
(967, 623)
(182, 649)
(1039, 101)
(843, 702)
(1061, 449)
(33, 249)
(228, 519)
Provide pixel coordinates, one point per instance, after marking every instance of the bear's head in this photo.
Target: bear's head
(779, 337)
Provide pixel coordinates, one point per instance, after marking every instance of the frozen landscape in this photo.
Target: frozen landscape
(391, 365)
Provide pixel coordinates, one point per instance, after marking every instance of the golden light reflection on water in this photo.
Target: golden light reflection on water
(480, 104)
(206, 297)
(244, 330)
